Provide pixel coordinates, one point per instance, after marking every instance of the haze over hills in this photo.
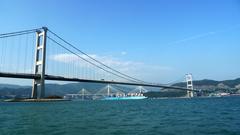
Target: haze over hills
(231, 86)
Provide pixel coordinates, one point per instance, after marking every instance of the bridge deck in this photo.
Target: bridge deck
(59, 78)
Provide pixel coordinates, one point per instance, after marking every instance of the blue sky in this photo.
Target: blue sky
(165, 38)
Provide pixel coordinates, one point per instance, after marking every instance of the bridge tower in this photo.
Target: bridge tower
(38, 86)
(108, 90)
(140, 89)
(189, 85)
(83, 93)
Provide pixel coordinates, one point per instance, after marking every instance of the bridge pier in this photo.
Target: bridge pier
(38, 87)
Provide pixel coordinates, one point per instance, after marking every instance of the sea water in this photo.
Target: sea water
(197, 116)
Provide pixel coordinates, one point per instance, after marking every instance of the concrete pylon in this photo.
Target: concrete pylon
(39, 64)
(189, 85)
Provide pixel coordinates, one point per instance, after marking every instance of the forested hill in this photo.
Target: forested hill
(232, 86)
(212, 84)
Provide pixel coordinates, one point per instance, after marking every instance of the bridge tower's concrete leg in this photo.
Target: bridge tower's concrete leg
(108, 90)
(39, 64)
(189, 85)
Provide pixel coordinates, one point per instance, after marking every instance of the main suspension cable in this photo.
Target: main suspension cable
(88, 60)
(95, 59)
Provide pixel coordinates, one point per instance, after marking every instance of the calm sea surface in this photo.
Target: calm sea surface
(201, 116)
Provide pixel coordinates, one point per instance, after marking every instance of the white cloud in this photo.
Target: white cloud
(107, 60)
(64, 57)
(140, 70)
(202, 35)
(123, 53)
(193, 37)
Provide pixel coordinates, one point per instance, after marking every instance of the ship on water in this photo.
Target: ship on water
(125, 98)
(133, 95)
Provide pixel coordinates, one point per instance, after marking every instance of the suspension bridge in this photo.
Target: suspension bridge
(41, 54)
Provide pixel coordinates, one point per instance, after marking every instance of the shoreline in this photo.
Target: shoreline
(35, 100)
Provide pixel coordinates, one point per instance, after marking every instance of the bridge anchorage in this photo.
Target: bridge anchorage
(72, 58)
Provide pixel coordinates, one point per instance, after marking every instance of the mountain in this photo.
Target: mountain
(51, 89)
(10, 86)
(232, 86)
(213, 85)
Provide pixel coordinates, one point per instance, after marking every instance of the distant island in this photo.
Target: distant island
(205, 86)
